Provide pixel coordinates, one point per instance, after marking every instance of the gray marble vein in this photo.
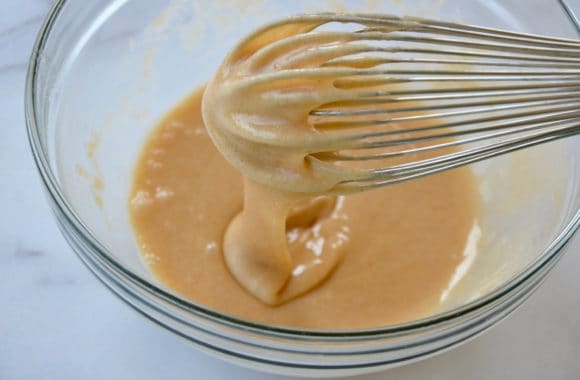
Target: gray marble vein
(10, 67)
(27, 253)
(23, 26)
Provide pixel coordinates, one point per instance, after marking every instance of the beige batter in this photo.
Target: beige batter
(387, 255)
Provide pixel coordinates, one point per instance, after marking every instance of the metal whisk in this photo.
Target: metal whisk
(391, 98)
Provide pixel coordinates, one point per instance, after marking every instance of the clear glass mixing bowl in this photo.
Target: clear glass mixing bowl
(103, 72)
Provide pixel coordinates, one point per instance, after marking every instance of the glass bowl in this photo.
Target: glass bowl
(103, 72)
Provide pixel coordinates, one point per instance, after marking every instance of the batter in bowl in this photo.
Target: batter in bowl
(277, 245)
(401, 246)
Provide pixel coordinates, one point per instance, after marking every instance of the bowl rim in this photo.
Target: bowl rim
(56, 195)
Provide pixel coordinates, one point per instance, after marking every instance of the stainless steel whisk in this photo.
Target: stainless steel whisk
(413, 96)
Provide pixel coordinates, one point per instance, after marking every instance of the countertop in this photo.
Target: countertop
(58, 322)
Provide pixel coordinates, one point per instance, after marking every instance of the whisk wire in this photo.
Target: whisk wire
(436, 94)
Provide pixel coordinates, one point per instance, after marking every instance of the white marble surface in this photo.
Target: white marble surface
(58, 322)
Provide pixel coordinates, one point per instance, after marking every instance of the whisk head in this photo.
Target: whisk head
(354, 102)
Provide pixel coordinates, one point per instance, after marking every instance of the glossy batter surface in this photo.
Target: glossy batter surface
(405, 241)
